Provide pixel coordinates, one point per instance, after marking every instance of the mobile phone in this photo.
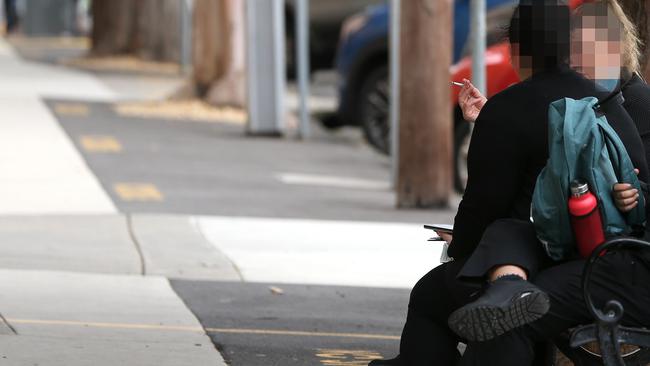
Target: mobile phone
(443, 228)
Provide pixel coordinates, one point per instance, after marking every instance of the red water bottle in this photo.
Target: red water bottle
(585, 218)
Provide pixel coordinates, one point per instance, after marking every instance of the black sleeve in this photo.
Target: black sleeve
(637, 105)
(495, 168)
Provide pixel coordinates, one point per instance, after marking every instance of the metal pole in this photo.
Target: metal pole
(280, 69)
(302, 56)
(266, 70)
(186, 34)
(394, 43)
(478, 37)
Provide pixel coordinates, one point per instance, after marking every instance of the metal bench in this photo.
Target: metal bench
(616, 345)
(605, 342)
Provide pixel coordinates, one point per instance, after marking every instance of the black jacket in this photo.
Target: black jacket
(509, 148)
(637, 104)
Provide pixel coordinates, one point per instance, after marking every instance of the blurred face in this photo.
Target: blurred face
(596, 47)
(521, 64)
(539, 35)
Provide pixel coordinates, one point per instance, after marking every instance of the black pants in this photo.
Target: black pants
(506, 242)
(622, 276)
(426, 338)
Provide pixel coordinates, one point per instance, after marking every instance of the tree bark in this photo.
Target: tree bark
(230, 88)
(159, 30)
(210, 42)
(149, 29)
(114, 23)
(218, 45)
(425, 132)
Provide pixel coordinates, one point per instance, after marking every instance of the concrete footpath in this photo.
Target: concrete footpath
(63, 318)
(93, 290)
(80, 283)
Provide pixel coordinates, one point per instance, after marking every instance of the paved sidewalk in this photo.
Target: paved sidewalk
(148, 245)
(60, 318)
(82, 290)
(41, 171)
(324, 252)
(81, 284)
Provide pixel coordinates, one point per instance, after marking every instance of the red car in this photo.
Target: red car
(499, 70)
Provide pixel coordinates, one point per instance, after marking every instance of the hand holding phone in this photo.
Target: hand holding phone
(441, 228)
(445, 232)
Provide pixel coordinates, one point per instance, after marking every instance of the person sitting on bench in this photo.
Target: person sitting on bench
(558, 287)
(507, 152)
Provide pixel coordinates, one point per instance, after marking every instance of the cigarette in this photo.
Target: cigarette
(457, 83)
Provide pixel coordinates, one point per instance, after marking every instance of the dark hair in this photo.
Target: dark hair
(542, 31)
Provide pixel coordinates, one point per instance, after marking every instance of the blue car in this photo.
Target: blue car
(362, 65)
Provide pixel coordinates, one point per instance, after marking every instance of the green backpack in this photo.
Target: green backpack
(582, 145)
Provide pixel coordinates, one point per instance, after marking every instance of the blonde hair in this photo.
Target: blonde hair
(631, 50)
(630, 41)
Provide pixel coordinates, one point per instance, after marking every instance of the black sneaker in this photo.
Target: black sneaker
(392, 362)
(508, 303)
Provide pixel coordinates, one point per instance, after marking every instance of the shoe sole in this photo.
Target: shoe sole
(481, 323)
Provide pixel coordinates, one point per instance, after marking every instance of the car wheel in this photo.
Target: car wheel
(462, 137)
(374, 109)
(374, 112)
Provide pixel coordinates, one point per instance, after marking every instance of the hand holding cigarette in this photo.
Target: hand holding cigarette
(470, 100)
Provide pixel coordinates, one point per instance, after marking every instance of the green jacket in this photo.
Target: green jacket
(582, 145)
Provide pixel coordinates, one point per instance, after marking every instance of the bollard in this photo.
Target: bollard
(266, 67)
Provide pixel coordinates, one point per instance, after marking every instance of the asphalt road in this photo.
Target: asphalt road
(203, 168)
(253, 324)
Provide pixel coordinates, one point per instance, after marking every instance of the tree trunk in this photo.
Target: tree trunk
(159, 30)
(218, 51)
(425, 133)
(149, 29)
(210, 42)
(114, 23)
(230, 88)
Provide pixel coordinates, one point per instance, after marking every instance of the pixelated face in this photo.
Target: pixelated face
(596, 43)
(539, 35)
(523, 64)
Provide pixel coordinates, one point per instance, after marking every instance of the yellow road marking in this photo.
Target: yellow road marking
(141, 192)
(180, 328)
(53, 42)
(71, 109)
(302, 334)
(100, 144)
(186, 110)
(106, 325)
(339, 357)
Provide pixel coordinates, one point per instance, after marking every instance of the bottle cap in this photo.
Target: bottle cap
(579, 187)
